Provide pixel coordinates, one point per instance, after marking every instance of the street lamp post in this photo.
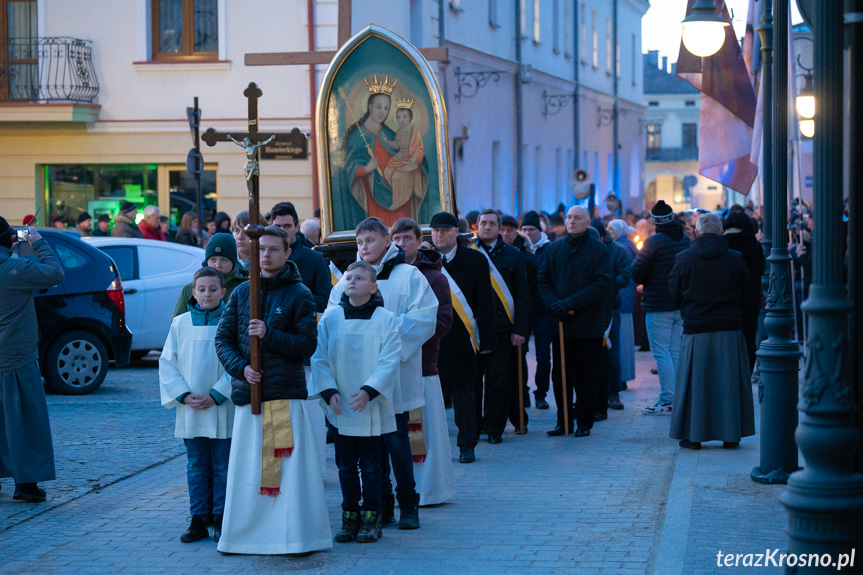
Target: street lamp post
(779, 354)
(825, 499)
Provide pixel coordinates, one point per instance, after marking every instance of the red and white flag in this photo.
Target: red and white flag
(727, 110)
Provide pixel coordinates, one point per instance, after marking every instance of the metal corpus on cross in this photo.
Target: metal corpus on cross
(251, 141)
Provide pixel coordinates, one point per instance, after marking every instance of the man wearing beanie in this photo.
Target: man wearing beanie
(124, 222)
(26, 449)
(540, 317)
(221, 254)
(85, 225)
(652, 268)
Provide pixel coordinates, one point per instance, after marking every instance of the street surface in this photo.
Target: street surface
(626, 500)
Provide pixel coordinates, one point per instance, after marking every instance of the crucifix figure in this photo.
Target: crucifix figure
(252, 141)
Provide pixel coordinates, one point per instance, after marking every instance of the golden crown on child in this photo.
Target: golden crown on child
(381, 88)
(404, 104)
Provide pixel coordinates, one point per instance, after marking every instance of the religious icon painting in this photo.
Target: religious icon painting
(382, 145)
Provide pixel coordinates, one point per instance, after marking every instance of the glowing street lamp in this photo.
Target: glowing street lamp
(805, 104)
(703, 30)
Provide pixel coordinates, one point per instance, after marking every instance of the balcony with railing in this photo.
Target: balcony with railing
(49, 79)
(684, 154)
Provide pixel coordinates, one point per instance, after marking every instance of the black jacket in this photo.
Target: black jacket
(753, 255)
(652, 265)
(185, 237)
(469, 269)
(313, 271)
(708, 283)
(508, 261)
(288, 310)
(621, 266)
(578, 271)
(531, 268)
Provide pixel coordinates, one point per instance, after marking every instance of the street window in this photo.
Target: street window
(71, 258)
(608, 47)
(184, 196)
(567, 29)
(124, 259)
(690, 135)
(555, 27)
(595, 37)
(185, 29)
(536, 21)
(654, 137)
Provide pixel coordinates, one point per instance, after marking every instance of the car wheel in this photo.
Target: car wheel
(76, 363)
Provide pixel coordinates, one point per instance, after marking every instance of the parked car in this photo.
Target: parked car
(81, 321)
(153, 274)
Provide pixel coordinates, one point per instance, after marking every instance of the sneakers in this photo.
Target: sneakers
(466, 455)
(197, 530)
(371, 527)
(350, 527)
(409, 507)
(657, 409)
(614, 401)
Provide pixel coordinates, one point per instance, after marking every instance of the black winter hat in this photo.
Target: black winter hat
(83, 217)
(127, 206)
(662, 213)
(531, 218)
(443, 220)
(509, 221)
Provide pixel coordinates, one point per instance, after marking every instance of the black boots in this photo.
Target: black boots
(350, 527)
(217, 527)
(388, 511)
(29, 492)
(409, 505)
(371, 527)
(197, 530)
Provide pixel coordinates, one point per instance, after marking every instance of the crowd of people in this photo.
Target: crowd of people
(370, 358)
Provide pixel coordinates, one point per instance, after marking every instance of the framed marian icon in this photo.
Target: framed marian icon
(382, 136)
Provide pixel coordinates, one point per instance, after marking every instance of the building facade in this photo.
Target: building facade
(93, 98)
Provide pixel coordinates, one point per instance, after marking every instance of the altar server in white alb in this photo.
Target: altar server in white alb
(433, 469)
(194, 382)
(275, 500)
(409, 296)
(355, 370)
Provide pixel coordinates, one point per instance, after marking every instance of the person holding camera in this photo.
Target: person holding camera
(26, 448)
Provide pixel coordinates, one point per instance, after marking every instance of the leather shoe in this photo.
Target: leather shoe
(494, 439)
(730, 444)
(686, 444)
(582, 432)
(466, 455)
(556, 432)
(521, 432)
(600, 417)
(29, 493)
(541, 403)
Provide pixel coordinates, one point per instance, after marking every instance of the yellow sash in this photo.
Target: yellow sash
(277, 442)
(416, 435)
(462, 310)
(498, 284)
(335, 274)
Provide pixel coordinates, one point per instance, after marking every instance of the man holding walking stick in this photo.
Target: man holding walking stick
(572, 283)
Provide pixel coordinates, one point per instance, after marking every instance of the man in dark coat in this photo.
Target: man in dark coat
(651, 269)
(512, 301)
(540, 318)
(573, 283)
(312, 267)
(713, 392)
(26, 448)
(509, 234)
(473, 331)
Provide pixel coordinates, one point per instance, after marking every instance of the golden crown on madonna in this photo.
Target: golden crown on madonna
(381, 87)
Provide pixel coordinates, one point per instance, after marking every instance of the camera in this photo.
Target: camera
(23, 236)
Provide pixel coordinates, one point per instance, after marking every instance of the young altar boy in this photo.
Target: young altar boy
(192, 380)
(410, 298)
(355, 369)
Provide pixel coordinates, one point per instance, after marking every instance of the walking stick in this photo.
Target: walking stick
(565, 401)
(520, 393)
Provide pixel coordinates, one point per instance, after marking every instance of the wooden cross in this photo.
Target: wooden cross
(252, 141)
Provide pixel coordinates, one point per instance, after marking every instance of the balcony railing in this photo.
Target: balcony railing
(47, 70)
(688, 153)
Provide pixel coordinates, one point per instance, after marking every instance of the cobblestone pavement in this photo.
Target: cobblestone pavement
(624, 501)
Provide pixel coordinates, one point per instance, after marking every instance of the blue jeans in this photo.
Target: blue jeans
(664, 331)
(365, 453)
(396, 448)
(207, 458)
(540, 325)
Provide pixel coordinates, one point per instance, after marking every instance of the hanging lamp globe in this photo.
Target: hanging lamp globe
(703, 30)
(805, 102)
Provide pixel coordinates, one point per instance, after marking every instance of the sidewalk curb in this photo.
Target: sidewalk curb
(671, 551)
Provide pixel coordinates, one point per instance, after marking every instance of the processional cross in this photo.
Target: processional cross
(251, 141)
